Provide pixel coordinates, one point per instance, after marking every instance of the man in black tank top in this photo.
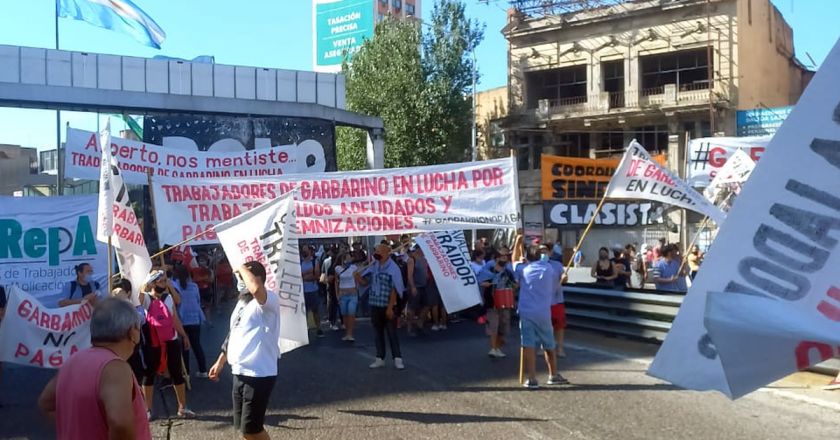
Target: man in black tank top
(418, 301)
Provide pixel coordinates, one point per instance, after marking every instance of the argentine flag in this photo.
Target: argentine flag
(116, 15)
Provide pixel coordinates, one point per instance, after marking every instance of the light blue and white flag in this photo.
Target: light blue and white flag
(116, 15)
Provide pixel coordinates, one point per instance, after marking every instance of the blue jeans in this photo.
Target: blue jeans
(348, 303)
(535, 334)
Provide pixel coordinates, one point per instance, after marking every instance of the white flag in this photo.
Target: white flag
(729, 180)
(639, 177)
(449, 259)
(779, 244)
(267, 234)
(117, 220)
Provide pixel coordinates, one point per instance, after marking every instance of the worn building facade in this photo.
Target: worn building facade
(586, 82)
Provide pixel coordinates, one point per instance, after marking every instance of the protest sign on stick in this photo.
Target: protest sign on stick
(267, 235)
(448, 257)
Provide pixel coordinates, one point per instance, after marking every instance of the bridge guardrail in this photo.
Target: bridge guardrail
(641, 314)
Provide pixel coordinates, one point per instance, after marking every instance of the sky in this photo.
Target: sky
(278, 34)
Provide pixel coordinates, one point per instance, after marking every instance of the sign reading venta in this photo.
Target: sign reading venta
(574, 178)
(381, 202)
(780, 245)
(43, 238)
(340, 26)
(449, 260)
(136, 158)
(574, 213)
(37, 336)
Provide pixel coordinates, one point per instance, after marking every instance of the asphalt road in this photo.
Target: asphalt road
(452, 390)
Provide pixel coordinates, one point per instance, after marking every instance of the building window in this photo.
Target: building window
(612, 143)
(573, 145)
(397, 4)
(409, 9)
(653, 137)
(688, 70)
(613, 74)
(48, 161)
(566, 86)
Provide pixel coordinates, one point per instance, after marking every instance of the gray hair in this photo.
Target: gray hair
(112, 319)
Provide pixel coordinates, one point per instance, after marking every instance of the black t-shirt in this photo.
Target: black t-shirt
(2, 298)
(624, 265)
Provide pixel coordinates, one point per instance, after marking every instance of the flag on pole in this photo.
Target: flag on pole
(185, 255)
(638, 176)
(117, 15)
(729, 180)
(116, 218)
(268, 234)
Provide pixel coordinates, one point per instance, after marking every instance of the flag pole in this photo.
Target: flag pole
(110, 266)
(691, 245)
(586, 231)
(150, 172)
(59, 172)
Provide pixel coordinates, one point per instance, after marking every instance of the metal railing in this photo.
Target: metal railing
(641, 314)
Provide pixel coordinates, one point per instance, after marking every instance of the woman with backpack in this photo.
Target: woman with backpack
(164, 328)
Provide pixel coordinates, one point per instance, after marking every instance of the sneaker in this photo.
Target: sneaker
(499, 354)
(833, 385)
(531, 384)
(492, 353)
(334, 328)
(557, 380)
(443, 327)
(186, 413)
(435, 328)
(561, 354)
(398, 363)
(378, 363)
(319, 333)
(201, 375)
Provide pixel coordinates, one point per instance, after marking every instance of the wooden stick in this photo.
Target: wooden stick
(586, 231)
(194, 237)
(693, 241)
(521, 365)
(150, 173)
(110, 266)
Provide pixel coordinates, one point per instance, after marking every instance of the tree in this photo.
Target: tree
(418, 84)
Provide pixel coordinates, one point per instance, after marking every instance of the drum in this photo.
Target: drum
(503, 298)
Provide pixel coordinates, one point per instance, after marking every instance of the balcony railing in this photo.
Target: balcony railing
(601, 103)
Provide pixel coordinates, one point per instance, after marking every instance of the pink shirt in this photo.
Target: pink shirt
(80, 414)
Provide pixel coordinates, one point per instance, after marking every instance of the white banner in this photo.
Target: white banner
(266, 234)
(377, 202)
(730, 178)
(708, 155)
(37, 336)
(780, 242)
(639, 177)
(449, 259)
(43, 238)
(135, 158)
(118, 221)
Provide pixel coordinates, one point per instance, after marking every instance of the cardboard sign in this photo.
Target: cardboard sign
(779, 243)
(728, 182)
(38, 336)
(639, 177)
(43, 238)
(379, 202)
(708, 155)
(574, 178)
(449, 259)
(266, 234)
(576, 213)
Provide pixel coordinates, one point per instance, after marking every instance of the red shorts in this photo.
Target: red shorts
(558, 316)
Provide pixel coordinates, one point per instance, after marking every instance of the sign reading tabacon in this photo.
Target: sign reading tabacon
(340, 26)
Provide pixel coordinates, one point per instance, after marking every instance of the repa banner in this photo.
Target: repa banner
(449, 260)
(574, 178)
(780, 245)
(575, 213)
(707, 156)
(43, 238)
(266, 234)
(378, 202)
(37, 336)
(136, 158)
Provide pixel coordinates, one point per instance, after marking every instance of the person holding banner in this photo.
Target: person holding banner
(669, 274)
(95, 395)
(83, 288)
(385, 281)
(253, 351)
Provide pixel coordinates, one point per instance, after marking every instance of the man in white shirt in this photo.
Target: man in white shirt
(252, 349)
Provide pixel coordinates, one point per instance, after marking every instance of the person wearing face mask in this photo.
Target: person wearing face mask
(252, 349)
(83, 288)
(498, 281)
(94, 396)
(604, 270)
(348, 294)
(311, 272)
(385, 281)
(165, 349)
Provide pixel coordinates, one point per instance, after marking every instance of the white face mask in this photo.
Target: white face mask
(241, 287)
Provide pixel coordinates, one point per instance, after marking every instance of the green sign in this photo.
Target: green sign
(340, 26)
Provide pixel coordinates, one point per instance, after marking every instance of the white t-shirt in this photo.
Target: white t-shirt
(345, 276)
(168, 302)
(254, 344)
